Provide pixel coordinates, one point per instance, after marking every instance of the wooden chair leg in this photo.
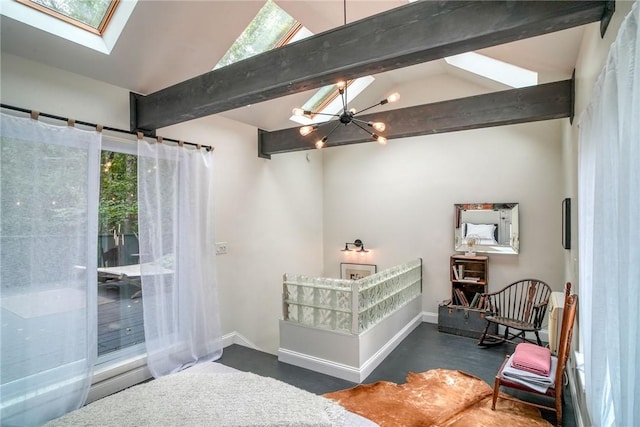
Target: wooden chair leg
(491, 340)
(496, 391)
(484, 334)
(519, 335)
(559, 409)
(538, 338)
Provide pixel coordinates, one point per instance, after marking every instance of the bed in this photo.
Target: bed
(483, 234)
(216, 395)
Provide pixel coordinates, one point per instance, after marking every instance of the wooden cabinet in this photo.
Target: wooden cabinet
(469, 278)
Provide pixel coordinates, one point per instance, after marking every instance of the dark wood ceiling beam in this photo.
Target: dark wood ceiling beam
(418, 32)
(543, 102)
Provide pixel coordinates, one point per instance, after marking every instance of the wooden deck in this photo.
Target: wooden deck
(120, 325)
(120, 321)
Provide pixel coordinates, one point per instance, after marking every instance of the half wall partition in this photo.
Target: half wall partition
(345, 328)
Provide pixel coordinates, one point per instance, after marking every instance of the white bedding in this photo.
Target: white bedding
(213, 394)
(482, 242)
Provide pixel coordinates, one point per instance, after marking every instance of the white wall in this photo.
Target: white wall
(293, 214)
(269, 212)
(593, 53)
(399, 199)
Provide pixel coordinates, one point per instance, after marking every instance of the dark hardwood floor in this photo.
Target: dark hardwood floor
(425, 348)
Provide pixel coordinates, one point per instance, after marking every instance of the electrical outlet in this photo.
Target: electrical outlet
(221, 248)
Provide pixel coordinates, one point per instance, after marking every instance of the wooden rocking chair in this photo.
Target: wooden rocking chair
(522, 306)
(555, 390)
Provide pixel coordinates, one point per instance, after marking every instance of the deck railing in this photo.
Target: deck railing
(351, 306)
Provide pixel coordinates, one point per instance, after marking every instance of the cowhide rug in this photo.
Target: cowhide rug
(438, 397)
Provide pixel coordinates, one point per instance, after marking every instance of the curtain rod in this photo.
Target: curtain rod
(99, 128)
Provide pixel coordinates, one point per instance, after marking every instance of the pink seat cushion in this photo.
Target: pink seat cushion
(532, 358)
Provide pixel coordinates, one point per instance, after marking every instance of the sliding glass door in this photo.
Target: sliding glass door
(120, 319)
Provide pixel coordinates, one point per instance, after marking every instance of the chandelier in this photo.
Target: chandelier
(345, 117)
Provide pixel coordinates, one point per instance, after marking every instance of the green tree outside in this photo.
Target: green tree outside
(118, 210)
(90, 12)
(264, 33)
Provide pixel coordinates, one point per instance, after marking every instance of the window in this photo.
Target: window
(322, 97)
(120, 319)
(101, 39)
(499, 71)
(272, 27)
(90, 15)
(328, 101)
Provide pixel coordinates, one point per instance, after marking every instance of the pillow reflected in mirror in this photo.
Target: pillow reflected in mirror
(482, 232)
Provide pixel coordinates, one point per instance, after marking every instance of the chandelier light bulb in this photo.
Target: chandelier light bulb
(393, 97)
(306, 130)
(379, 126)
(345, 117)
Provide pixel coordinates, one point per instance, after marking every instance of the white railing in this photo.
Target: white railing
(351, 306)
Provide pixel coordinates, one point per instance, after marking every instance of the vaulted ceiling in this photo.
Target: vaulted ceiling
(169, 42)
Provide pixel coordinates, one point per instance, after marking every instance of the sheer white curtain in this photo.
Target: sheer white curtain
(49, 191)
(177, 255)
(609, 214)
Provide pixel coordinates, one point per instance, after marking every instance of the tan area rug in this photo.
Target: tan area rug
(438, 397)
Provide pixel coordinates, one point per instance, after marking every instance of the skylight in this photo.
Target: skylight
(328, 96)
(272, 27)
(92, 16)
(503, 72)
(101, 39)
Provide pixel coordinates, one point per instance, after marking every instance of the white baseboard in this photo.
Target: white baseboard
(346, 372)
(236, 338)
(373, 362)
(429, 317)
(327, 367)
